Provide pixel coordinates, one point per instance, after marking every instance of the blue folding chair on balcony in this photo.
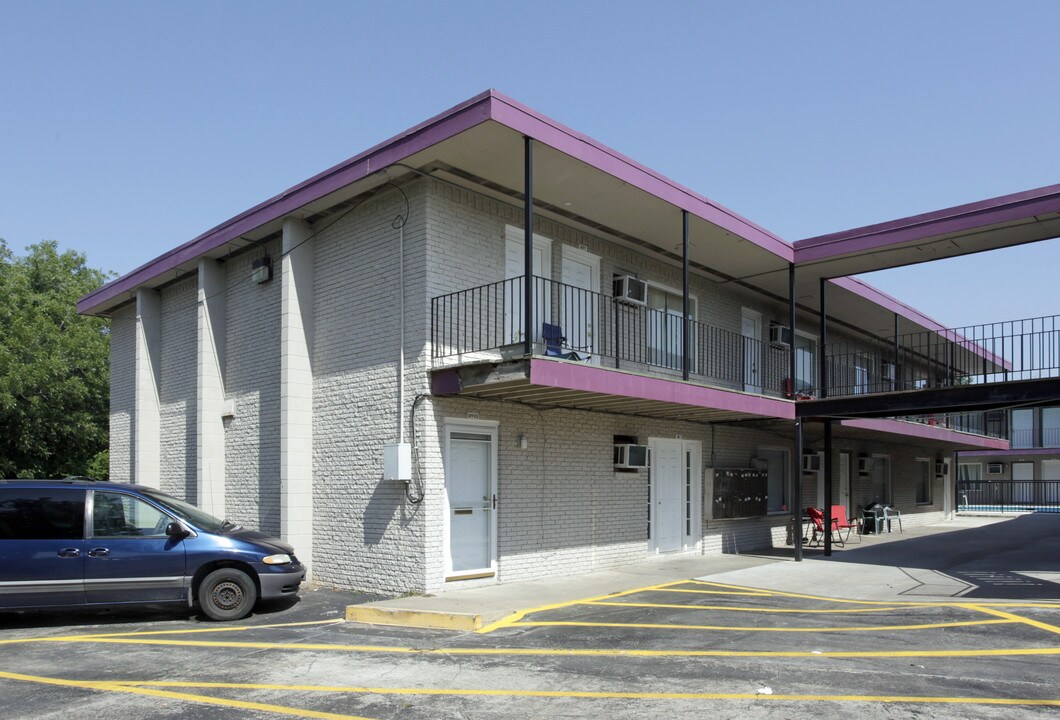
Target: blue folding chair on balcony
(556, 344)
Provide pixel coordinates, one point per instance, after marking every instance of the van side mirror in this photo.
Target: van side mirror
(176, 531)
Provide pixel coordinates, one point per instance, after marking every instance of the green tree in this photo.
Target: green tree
(54, 371)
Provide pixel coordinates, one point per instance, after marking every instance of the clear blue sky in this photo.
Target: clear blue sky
(130, 127)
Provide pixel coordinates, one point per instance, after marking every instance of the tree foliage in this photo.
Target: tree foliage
(54, 365)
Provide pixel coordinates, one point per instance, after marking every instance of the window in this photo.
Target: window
(42, 514)
(881, 480)
(120, 515)
(689, 489)
(1023, 428)
(777, 483)
(665, 334)
(861, 374)
(805, 365)
(1051, 427)
(923, 482)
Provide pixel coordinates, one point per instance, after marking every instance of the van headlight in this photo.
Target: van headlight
(276, 559)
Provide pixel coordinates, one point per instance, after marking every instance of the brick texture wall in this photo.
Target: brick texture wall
(122, 391)
(177, 393)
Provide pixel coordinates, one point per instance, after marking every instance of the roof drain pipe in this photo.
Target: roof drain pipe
(397, 458)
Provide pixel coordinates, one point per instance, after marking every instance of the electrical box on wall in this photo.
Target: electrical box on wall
(397, 462)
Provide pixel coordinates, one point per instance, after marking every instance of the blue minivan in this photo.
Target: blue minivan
(80, 542)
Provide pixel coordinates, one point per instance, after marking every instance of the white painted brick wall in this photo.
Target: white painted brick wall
(177, 391)
(252, 436)
(122, 391)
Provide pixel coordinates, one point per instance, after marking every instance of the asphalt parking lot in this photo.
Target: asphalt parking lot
(684, 648)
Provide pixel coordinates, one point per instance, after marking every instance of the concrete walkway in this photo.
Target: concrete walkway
(915, 565)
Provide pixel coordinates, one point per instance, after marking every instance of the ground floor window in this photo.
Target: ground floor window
(777, 484)
(923, 481)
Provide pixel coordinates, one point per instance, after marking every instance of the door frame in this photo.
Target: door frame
(514, 236)
(844, 482)
(747, 313)
(593, 261)
(452, 425)
(690, 542)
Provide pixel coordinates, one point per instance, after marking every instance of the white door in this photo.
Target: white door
(471, 494)
(1022, 492)
(1050, 469)
(675, 492)
(844, 482)
(580, 275)
(514, 256)
(751, 330)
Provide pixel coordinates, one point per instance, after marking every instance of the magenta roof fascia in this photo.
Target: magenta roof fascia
(1014, 452)
(439, 128)
(527, 121)
(926, 432)
(588, 378)
(887, 302)
(960, 218)
(489, 105)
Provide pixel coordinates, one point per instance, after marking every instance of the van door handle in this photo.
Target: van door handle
(69, 553)
(98, 552)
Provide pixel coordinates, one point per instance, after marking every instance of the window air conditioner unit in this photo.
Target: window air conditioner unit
(631, 456)
(995, 468)
(780, 336)
(865, 464)
(942, 467)
(811, 463)
(887, 371)
(630, 290)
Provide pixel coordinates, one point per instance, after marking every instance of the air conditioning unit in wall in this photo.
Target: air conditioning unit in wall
(865, 464)
(995, 468)
(630, 456)
(780, 336)
(630, 290)
(942, 467)
(811, 463)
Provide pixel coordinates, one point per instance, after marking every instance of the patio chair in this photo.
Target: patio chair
(841, 522)
(888, 514)
(817, 518)
(556, 344)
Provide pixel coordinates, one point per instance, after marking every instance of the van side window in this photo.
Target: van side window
(120, 515)
(44, 514)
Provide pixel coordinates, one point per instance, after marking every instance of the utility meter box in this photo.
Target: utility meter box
(397, 462)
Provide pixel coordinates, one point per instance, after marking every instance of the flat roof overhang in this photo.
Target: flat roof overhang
(889, 430)
(541, 382)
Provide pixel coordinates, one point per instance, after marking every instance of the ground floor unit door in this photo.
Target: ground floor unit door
(1023, 482)
(674, 493)
(471, 495)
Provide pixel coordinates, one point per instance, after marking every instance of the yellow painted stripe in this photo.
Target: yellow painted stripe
(223, 629)
(660, 626)
(575, 652)
(515, 617)
(759, 593)
(475, 692)
(729, 608)
(100, 685)
(1017, 618)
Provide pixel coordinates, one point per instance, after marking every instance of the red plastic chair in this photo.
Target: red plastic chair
(841, 522)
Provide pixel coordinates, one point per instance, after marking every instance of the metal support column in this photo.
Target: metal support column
(796, 461)
(822, 383)
(897, 351)
(828, 487)
(686, 355)
(528, 246)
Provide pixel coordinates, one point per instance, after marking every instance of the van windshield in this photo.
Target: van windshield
(186, 511)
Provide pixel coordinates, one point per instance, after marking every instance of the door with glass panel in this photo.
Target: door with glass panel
(471, 500)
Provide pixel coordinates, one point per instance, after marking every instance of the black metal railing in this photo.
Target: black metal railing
(994, 352)
(631, 336)
(1008, 496)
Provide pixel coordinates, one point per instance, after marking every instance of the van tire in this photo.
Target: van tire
(227, 594)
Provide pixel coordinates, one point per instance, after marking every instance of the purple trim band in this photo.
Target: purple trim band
(489, 105)
(984, 213)
(926, 432)
(1028, 452)
(588, 378)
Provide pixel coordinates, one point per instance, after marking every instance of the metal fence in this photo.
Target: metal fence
(1008, 496)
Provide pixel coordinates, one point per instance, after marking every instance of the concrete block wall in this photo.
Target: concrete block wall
(122, 391)
(252, 436)
(367, 535)
(177, 392)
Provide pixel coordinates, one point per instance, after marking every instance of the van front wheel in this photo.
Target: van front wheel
(227, 594)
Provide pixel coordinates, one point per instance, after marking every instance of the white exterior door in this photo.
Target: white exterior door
(580, 275)
(1022, 489)
(471, 499)
(514, 256)
(751, 329)
(675, 507)
(1050, 469)
(844, 482)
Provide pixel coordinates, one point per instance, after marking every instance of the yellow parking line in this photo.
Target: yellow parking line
(715, 592)
(728, 608)
(226, 628)
(515, 617)
(103, 685)
(1016, 618)
(474, 692)
(870, 628)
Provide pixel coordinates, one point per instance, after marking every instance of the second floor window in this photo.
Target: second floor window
(665, 333)
(805, 365)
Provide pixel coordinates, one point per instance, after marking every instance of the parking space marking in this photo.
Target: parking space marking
(674, 626)
(1016, 618)
(182, 631)
(728, 608)
(137, 689)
